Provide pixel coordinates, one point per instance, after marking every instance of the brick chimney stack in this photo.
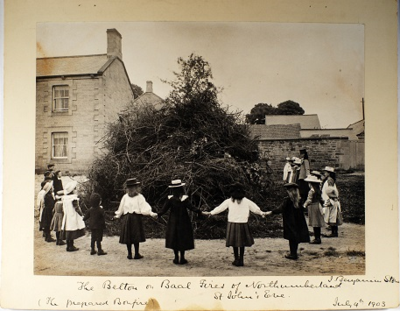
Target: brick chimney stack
(149, 87)
(114, 44)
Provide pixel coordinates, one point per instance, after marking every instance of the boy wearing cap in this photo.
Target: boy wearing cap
(131, 209)
(97, 224)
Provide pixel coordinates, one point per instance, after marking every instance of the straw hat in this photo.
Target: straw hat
(312, 179)
(329, 169)
(316, 173)
(297, 161)
(70, 187)
(130, 182)
(176, 183)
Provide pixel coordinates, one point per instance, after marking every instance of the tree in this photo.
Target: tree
(258, 112)
(137, 90)
(290, 107)
(191, 137)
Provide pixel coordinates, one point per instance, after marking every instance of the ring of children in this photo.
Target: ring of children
(210, 257)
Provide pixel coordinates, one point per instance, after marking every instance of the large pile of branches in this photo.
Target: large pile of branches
(193, 138)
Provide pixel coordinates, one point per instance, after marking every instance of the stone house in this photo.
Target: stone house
(76, 97)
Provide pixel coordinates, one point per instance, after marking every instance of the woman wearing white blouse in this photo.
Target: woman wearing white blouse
(238, 233)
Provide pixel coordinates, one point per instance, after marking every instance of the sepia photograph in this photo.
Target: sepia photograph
(200, 155)
(199, 148)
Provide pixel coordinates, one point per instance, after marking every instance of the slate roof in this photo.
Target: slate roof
(72, 65)
(277, 131)
(306, 121)
(149, 98)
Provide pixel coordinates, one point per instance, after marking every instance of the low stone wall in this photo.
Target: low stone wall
(338, 152)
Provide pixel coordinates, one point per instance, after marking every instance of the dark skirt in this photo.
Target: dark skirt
(72, 234)
(97, 235)
(131, 229)
(45, 221)
(238, 235)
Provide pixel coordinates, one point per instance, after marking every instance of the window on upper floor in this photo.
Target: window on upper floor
(59, 145)
(60, 98)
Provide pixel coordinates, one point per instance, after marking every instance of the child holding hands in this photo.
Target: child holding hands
(131, 208)
(179, 233)
(294, 223)
(97, 224)
(238, 234)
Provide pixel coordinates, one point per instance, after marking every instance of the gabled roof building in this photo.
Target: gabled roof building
(76, 97)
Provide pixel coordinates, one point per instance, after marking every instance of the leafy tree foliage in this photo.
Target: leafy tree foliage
(258, 112)
(137, 90)
(290, 107)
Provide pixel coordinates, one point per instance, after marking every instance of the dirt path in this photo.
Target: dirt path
(343, 255)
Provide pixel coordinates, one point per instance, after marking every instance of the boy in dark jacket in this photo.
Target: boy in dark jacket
(97, 223)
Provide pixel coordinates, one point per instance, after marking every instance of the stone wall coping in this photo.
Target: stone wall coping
(302, 138)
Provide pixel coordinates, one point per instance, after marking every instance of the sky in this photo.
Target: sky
(319, 66)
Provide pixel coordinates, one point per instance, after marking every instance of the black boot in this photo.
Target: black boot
(137, 255)
(129, 247)
(183, 260)
(59, 240)
(176, 259)
(92, 251)
(236, 254)
(335, 231)
(241, 257)
(293, 250)
(48, 237)
(317, 235)
(100, 250)
(72, 248)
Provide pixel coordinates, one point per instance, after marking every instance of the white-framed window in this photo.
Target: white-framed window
(60, 98)
(59, 145)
